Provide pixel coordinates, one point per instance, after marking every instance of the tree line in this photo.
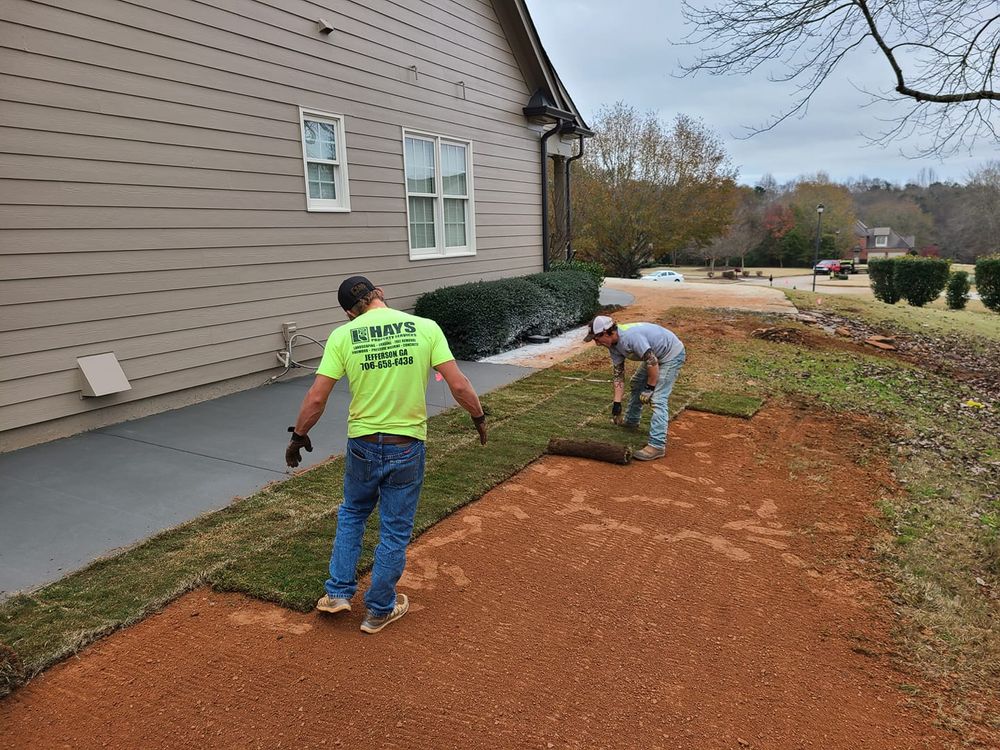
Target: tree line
(648, 192)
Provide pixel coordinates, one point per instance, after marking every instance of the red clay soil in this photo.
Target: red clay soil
(714, 599)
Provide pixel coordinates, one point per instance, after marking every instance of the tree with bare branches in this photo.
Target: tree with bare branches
(940, 57)
(643, 189)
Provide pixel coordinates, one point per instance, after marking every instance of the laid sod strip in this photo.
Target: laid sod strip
(275, 544)
(290, 572)
(727, 404)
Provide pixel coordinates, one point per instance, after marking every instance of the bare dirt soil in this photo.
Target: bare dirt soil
(718, 598)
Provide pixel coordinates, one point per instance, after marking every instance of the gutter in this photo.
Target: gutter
(569, 203)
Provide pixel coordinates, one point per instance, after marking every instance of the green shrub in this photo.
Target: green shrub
(571, 299)
(988, 281)
(881, 276)
(594, 268)
(958, 290)
(484, 317)
(920, 280)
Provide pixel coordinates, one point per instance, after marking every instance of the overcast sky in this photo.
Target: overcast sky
(625, 50)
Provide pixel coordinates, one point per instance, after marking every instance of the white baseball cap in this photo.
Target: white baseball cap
(598, 326)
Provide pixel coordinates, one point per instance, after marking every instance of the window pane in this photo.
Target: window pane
(419, 166)
(422, 223)
(454, 222)
(453, 169)
(321, 140)
(322, 181)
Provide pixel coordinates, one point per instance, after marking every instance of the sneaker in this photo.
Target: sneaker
(333, 604)
(374, 623)
(648, 453)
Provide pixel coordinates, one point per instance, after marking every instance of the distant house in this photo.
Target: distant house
(182, 178)
(930, 251)
(879, 242)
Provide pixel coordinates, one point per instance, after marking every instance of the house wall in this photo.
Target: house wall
(152, 194)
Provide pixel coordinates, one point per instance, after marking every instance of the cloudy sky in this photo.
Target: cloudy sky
(627, 50)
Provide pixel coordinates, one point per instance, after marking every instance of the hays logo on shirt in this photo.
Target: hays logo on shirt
(371, 333)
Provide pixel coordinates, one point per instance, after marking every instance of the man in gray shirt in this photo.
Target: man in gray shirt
(661, 354)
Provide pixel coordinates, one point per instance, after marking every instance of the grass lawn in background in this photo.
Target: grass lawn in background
(974, 321)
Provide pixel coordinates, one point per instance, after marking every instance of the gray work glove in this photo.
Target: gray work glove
(293, 453)
(647, 395)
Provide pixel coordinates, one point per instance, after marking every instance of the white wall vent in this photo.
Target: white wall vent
(101, 375)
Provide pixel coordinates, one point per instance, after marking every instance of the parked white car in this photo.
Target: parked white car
(665, 276)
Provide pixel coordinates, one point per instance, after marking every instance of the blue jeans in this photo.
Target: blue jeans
(390, 475)
(664, 385)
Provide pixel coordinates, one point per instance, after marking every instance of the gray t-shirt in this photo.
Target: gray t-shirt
(635, 339)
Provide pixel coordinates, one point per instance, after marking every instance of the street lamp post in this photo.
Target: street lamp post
(819, 221)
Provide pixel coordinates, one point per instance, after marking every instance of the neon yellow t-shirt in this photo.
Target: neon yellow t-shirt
(387, 355)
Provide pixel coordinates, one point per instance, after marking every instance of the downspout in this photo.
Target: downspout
(569, 203)
(545, 194)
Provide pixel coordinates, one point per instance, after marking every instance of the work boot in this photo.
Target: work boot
(648, 453)
(630, 427)
(374, 623)
(333, 604)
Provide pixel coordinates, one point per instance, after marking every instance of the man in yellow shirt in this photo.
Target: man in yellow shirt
(386, 355)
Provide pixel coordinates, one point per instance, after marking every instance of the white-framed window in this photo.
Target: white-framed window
(440, 214)
(881, 241)
(324, 161)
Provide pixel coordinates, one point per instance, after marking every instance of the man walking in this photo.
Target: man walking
(661, 354)
(386, 355)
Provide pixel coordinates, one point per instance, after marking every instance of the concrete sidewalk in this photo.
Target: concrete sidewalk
(68, 502)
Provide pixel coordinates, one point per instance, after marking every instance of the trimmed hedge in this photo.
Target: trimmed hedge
(486, 317)
(988, 281)
(917, 280)
(920, 280)
(592, 267)
(958, 290)
(881, 272)
(572, 299)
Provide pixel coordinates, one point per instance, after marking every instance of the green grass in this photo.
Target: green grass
(275, 545)
(727, 404)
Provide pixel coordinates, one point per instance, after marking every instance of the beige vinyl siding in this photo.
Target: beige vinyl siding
(152, 199)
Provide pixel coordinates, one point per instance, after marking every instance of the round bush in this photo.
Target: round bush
(920, 280)
(988, 281)
(957, 292)
(881, 272)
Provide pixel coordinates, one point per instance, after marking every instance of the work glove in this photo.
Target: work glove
(480, 423)
(647, 395)
(616, 413)
(293, 453)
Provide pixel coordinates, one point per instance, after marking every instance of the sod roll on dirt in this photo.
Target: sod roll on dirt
(607, 452)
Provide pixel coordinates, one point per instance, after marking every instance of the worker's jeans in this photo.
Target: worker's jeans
(664, 385)
(390, 475)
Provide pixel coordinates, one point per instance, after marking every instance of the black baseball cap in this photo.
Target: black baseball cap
(353, 289)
